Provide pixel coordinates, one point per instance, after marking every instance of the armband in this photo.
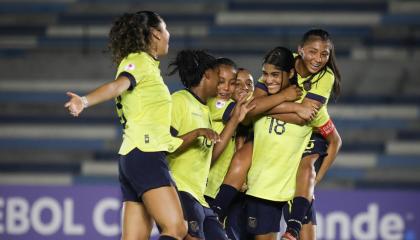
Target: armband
(327, 128)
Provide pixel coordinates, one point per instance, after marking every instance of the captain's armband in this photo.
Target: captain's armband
(327, 128)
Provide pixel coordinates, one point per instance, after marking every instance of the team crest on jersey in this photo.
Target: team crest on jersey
(194, 226)
(220, 103)
(252, 222)
(130, 67)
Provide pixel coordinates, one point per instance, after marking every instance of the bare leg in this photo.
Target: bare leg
(137, 223)
(239, 166)
(164, 206)
(305, 178)
(308, 232)
(305, 184)
(268, 236)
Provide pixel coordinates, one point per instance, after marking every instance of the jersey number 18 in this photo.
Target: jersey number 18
(277, 126)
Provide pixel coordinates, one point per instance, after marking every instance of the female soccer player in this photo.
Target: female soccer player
(235, 223)
(191, 121)
(233, 86)
(318, 83)
(144, 107)
(241, 161)
(220, 108)
(277, 149)
(319, 76)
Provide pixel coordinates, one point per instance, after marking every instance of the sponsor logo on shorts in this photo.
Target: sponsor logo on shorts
(252, 222)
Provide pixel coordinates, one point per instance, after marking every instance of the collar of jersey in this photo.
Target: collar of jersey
(196, 97)
(149, 57)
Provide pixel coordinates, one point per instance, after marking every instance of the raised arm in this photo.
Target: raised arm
(108, 91)
(241, 109)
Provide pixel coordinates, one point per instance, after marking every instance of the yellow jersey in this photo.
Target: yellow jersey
(278, 148)
(220, 113)
(190, 168)
(145, 108)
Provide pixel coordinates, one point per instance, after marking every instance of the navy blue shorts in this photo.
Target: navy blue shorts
(263, 215)
(235, 223)
(141, 171)
(317, 145)
(310, 216)
(202, 221)
(236, 220)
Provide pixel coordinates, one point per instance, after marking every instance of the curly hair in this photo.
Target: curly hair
(131, 32)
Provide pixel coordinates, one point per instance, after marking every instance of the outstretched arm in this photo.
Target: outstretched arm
(108, 91)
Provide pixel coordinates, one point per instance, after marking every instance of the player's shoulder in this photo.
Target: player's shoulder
(183, 97)
(136, 61)
(180, 94)
(327, 74)
(324, 79)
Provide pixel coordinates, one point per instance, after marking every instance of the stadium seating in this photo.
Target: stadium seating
(50, 47)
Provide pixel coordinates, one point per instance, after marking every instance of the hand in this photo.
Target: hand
(308, 113)
(292, 93)
(208, 133)
(242, 107)
(75, 104)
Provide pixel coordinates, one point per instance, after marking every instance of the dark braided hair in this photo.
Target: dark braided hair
(191, 66)
(131, 33)
(325, 36)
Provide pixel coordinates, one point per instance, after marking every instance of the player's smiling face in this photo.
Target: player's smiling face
(244, 84)
(227, 82)
(315, 54)
(274, 79)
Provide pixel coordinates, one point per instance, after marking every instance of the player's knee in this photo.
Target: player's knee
(176, 228)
